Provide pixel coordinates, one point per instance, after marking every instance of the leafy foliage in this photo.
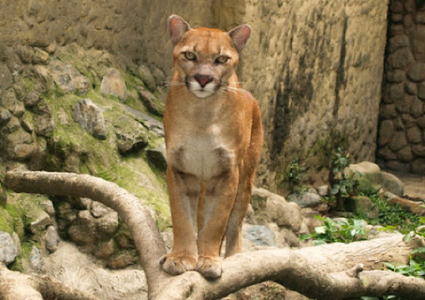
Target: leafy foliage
(338, 231)
(342, 184)
(296, 174)
(393, 215)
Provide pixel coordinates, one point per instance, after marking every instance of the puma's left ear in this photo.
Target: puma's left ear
(178, 27)
(240, 36)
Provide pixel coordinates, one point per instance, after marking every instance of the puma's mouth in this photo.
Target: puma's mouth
(202, 88)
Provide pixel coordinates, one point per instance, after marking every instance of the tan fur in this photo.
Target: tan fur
(214, 139)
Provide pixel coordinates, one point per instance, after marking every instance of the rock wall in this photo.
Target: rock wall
(315, 66)
(401, 139)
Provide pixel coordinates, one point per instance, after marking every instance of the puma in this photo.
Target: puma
(213, 136)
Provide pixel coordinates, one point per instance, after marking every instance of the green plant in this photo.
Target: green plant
(338, 231)
(296, 174)
(393, 215)
(342, 184)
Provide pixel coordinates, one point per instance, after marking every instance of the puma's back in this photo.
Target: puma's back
(213, 136)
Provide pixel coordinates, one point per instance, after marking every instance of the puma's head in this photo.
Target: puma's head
(205, 58)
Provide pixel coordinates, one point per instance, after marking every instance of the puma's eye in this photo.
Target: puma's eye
(222, 59)
(190, 55)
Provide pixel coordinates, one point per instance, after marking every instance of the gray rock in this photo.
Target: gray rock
(52, 239)
(397, 42)
(323, 190)
(90, 117)
(387, 111)
(260, 235)
(398, 141)
(98, 209)
(148, 79)
(43, 119)
(416, 72)
(4, 116)
(401, 58)
(37, 261)
(87, 230)
(41, 220)
(68, 78)
(40, 56)
(27, 124)
(113, 84)
(418, 166)
(131, 135)
(150, 102)
(419, 150)
(414, 135)
(9, 101)
(270, 207)
(305, 199)
(405, 154)
(8, 249)
(31, 99)
(417, 108)
(152, 124)
(23, 151)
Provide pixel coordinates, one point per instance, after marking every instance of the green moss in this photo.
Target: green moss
(7, 222)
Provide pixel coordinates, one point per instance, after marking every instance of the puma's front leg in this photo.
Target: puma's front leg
(184, 192)
(220, 193)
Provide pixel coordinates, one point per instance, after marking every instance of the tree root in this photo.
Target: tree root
(334, 271)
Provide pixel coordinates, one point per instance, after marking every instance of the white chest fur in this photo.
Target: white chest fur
(204, 154)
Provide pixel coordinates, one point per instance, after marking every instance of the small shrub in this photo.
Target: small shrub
(338, 231)
(342, 185)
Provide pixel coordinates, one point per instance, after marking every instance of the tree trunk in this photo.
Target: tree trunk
(334, 271)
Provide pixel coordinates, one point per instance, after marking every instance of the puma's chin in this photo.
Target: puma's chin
(202, 92)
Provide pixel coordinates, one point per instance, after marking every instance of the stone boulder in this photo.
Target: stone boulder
(305, 199)
(270, 207)
(67, 77)
(90, 117)
(152, 104)
(371, 177)
(8, 249)
(113, 84)
(145, 73)
(131, 135)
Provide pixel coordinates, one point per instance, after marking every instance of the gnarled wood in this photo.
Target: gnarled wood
(333, 271)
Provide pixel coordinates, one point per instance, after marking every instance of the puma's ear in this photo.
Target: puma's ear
(178, 27)
(240, 36)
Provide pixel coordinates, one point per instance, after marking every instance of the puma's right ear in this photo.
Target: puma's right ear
(240, 36)
(178, 27)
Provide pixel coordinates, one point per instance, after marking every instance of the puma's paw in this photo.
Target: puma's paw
(209, 267)
(176, 265)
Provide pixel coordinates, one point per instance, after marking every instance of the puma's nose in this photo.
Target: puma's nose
(203, 80)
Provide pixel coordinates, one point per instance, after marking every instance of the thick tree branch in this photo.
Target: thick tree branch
(323, 272)
(130, 209)
(295, 270)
